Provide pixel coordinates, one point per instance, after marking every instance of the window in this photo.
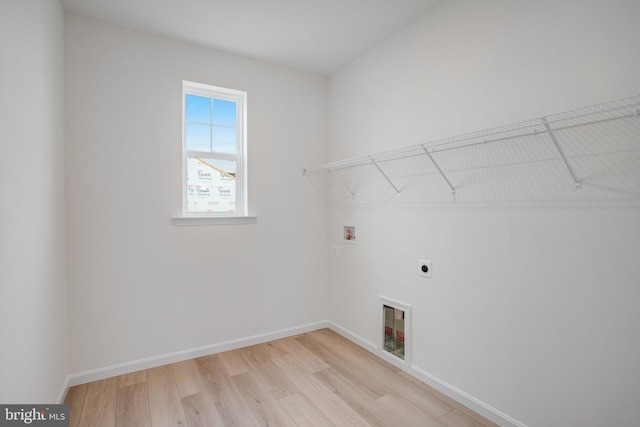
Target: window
(213, 151)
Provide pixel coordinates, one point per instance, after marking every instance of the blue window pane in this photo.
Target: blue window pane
(198, 137)
(224, 140)
(198, 109)
(224, 113)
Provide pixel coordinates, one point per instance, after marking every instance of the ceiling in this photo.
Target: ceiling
(319, 36)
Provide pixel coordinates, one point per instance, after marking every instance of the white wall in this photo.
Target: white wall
(532, 311)
(141, 287)
(33, 321)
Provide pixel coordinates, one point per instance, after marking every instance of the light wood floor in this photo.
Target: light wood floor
(313, 379)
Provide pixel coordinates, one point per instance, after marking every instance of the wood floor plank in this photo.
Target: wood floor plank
(132, 409)
(449, 401)
(164, 398)
(75, 399)
(313, 379)
(434, 402)
(303, 411)
(456, 418)
(187, 377)
(307, 358)
(132, 378)
(369, 372)
(407, 414)
(234, 362)
(262, 403)
(255, 355)
(340, 341)
(342, 360)
(200, 410)
(427, 402)
(227, 399)
(279, 384)
(361, 402)
(100, 404)
(270, 349)
(324, 399)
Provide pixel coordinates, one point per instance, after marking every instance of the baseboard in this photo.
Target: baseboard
(466, 399)
(456, 394)
(153, 362)
(63, 392)
(353, 337)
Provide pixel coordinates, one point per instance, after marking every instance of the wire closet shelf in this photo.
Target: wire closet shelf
(596, 146)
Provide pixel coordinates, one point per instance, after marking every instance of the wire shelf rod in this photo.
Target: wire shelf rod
(435, 149)
(608, 111)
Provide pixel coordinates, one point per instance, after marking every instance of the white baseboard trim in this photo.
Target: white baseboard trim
(456, 394)
(179, 356)
(353, 337)
(63, 392)
(466, 399)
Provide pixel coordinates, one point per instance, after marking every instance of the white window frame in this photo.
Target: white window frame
(241, 215)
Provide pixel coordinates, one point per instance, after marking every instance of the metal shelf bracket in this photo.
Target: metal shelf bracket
(353, 194)
(576, 182)
(385, 175)
(453, 189)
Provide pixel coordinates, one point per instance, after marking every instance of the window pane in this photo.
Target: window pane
(211, 185)
(224, 113)
(198, 137)
(198, 109)
(224, 140)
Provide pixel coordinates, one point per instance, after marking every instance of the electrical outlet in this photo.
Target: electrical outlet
(424, 268)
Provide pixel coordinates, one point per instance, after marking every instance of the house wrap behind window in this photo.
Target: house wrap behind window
(210, 189)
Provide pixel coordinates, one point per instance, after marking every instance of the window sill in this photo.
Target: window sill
(222, 220)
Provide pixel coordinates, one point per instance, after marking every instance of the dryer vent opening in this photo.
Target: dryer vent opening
(394, 331)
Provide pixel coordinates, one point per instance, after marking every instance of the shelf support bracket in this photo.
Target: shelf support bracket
(385, 175)
(353, 194)
(576, 182)
(453, 189)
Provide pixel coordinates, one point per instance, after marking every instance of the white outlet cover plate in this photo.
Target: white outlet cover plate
(428, 264)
